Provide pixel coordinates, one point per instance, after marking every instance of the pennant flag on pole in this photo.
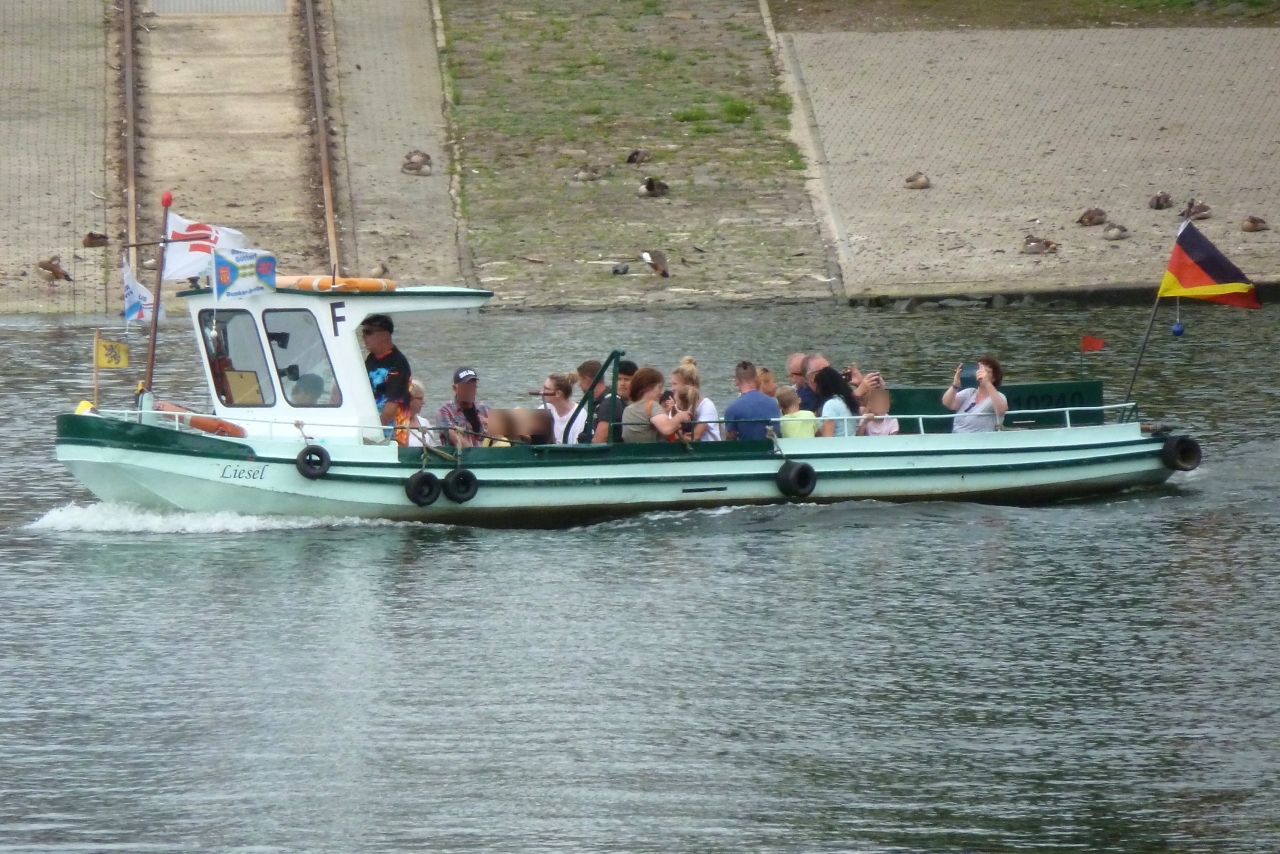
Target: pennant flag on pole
(110, 354)
(241, 272)
(189, 258)
(138, 301)
(1198, 270)
(1089, 344)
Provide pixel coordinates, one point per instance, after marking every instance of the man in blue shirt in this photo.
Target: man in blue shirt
(754, 413)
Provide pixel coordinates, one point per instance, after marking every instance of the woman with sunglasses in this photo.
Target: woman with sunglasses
(557, 396)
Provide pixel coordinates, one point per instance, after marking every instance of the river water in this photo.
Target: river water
(1093, 676)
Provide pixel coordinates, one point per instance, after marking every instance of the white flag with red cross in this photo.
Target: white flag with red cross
(188, 258)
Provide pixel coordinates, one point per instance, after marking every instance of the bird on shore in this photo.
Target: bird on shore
(638, 156)
(149, 264)
(1114, 231)
(1254, 223)
(918, 181)
(1033, 245)
(94, 239)
(50, 270)
(652, 188)
(379, 271)
(416, 162)
(1160, 201)
(621, 269)
(657, 261)
(1196, 210)
(1093, 216)
(587, 173)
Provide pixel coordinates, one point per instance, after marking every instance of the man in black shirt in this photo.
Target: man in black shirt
(389, 371)
(606, 426)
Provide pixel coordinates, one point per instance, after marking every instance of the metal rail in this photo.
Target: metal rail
(129, 61)
(130, 136)
(322, 138)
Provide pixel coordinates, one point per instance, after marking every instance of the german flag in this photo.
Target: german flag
(1197, 270)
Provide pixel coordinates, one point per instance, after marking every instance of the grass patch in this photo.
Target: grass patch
(779, 101)
(735, 110)
(651, 7)
(691, 114)
(665, 55)
(703, 129)
(593, 110)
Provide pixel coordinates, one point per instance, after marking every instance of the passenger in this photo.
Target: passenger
(418, 428)
(307, 391)
(768, 383)
(644, 420)
(796, 423)
(626, 370)
(685, 378)
(875, 420)
(795, 372)
(500, 428)
(388, 369)
(461, 421)
(839, 406)
(557, 396)
(981, 409)
(753, 414)
(606, 424)
(862, 384)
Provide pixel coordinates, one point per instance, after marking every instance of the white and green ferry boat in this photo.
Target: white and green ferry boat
(257, 452)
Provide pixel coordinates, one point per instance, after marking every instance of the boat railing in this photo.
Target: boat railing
(1012, 420)
(266, 428)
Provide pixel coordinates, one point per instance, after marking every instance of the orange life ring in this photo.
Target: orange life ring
(328, 283)
(203, 423)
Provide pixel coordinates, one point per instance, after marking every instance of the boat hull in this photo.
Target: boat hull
(557, 485)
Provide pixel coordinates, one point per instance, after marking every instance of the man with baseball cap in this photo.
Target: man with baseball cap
(389, 371)
(462, 421)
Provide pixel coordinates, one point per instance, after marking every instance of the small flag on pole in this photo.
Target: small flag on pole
(1198, 270)
(242, 272)
(138, 301)
(194, 257)
(110, 354)
(1090, 344)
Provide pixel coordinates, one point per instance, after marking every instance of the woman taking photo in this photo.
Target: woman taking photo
(836, 404)
(980, 409)
(644, 420)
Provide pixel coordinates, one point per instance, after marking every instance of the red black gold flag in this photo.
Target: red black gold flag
(1198, 270)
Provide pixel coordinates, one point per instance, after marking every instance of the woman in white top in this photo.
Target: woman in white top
(980, 409)
(557, 396)
(419, 426)
(836, 403)
(686, 382)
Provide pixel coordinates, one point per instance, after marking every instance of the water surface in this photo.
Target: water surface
(1091, 676)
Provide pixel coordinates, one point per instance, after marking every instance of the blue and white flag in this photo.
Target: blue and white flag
(239, 273)
(138, 301)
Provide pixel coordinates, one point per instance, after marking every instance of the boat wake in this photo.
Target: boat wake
(126, 519)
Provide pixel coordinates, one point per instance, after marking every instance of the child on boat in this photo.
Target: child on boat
(796, 423)
(875, 421)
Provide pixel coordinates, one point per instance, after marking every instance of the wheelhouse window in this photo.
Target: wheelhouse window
(302, 362)
(241, 376)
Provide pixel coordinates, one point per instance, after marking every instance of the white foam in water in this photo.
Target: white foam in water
(125, 519)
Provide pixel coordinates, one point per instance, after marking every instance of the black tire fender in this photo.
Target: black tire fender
(312, 462)
(796, 479)
(461, 485)
(1180, 453)
(422, 488)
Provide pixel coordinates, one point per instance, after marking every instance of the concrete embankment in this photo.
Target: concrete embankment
(1020, 132)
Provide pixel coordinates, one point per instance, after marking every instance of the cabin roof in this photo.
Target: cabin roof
(404, 299)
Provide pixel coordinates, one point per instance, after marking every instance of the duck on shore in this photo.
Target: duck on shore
(1196, 210)
(918, 181)
(652, 188)
(1160, 201)
(1093, 216)
(1114, 231)
(1254, 223)
(657, 261)
(1033, 245)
